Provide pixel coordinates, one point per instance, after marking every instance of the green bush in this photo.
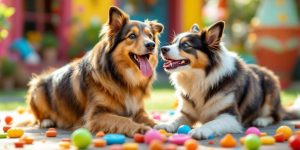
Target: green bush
(7, 67)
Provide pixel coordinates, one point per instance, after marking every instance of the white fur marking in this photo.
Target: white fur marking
(263, 121)
(223, 124)
(132, 105)
(46, 123)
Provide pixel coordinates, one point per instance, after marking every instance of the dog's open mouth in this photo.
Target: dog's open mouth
(142, 62)
(172, 64)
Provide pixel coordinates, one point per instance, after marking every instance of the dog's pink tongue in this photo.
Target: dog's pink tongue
(145, 66)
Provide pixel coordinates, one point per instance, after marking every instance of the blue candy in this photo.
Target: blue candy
(184, 129)
(114, 139)
(212, 136)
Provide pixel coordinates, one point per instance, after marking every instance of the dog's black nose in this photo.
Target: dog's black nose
(150, 45)
(164, 49)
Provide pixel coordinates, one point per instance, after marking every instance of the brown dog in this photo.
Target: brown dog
(104, 90)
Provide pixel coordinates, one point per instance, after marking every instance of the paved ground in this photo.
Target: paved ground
(43, 143)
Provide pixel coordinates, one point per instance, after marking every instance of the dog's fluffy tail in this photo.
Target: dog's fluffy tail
(293, 112)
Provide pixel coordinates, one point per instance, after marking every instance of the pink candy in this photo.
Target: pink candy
(152, 135)
(179, 139)
(253, 130)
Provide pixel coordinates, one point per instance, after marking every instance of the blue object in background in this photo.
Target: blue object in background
(114, 139)
(23, 47)
(184, 129)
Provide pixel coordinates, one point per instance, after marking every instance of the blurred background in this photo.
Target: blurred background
(38, 34)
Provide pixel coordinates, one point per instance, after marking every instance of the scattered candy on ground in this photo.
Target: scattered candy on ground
(139, 138)
(5, 128)
(263, 134)
(179, 139)
(279, 137)
(267, 140)
(114, 139)
(81, 138)
(20, 110)
(19, 144)
(130, 146)
(3, 135)
(51, 133)
(8, 119)
(170, 147)
(99, 143)
(252, 130)
(211, 142)
(252, 142)
(15, 132)
(184, 129)
(228, 141)
(64, 144)
(116, 147)
(191, 144)
(152, 135)
(26, 140)
(294, 142)
(100, 134)
(297, 126)
(156, 145)
(286, 131)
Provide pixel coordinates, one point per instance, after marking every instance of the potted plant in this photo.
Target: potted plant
(277, 31)
(49, 45)
(8, 70)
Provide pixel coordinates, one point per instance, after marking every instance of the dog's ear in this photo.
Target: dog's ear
(117, 18)
(156, 27)
(214, 33)
(195, 28)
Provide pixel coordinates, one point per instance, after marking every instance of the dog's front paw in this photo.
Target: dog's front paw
(201, 133)
(168, 127)
(142, 129)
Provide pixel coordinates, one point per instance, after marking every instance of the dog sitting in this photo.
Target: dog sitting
(216, 88)
(104, 90)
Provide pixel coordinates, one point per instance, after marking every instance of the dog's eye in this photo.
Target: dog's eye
(150, 36)
(185, 45)
(132, 36)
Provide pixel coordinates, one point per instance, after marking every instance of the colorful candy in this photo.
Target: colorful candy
(116, 147)
(179, 139)
(279, 137)
(100, 134)
(26, 140)
(297, 126)
(228, 141)
(184, 129)
(3, 135)
(263, 133)
(242, 140)
(139, 138)
(81, 138)
(294, 142)
(152, 135)
(99, 143)
(130, 146)
(51, 133)
(252, 142)
(114, 139)
(170, 147)
(267, 140)
(211, 142)
(15, 133)
(19, 144)
(252, 130)
(20, 110)
(6, 128)
(156, 145)
(191, 144)
(64, 145)
(286, 131)
(8, 119)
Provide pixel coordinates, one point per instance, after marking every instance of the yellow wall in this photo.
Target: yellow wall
(86, 10)
(191, 10)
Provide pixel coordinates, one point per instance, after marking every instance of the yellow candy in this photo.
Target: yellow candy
(242, 140)
(267, 140)
(286, 131)
(20, 110)
(162, 131)
(15, 133)
(130, 146)
(263, 134)
(64, 145)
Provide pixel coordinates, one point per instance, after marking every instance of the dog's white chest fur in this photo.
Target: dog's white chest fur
(132, 104)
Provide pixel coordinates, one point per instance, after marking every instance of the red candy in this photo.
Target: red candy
(8, 119)
(294, 142)
(279, 137)
(297, 126)
(5, 128)
(19, 144)
(138, 138)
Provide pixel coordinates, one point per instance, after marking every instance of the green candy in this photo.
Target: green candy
(3, 135)
(81, 138)
(252, 142)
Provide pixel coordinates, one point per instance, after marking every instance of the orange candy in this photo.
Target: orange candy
(100, 134)
(156, 145)
(170, 147)
(26, 140)
(51, 133)
(99, 143)
(64, 144)
(191, 144)
(211, 142)
(8, 119)
(279, 137)
(228, 141)
(138, 138)
(286, 131)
